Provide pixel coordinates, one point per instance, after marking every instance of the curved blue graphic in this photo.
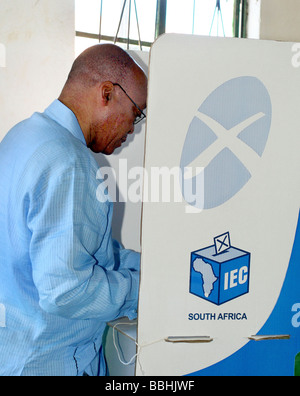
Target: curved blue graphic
(271, 358)
(235, 118)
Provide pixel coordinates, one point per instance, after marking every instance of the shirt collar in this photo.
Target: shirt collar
(66, 118)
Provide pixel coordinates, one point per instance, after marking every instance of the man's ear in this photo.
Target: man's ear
(106, 91)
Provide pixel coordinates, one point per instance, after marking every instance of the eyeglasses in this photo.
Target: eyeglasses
(140, 117)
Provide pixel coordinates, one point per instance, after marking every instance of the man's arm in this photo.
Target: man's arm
(73, 258)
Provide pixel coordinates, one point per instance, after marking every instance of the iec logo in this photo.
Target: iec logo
(226, 138)
(221, 272)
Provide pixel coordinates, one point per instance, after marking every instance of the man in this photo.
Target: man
(62, 277)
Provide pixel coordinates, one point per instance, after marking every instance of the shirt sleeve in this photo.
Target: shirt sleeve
(78, 270)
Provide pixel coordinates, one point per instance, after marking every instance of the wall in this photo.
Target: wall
(280, 20)
(37, 50)
(274, 20)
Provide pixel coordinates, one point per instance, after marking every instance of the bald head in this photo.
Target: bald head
(103, 62)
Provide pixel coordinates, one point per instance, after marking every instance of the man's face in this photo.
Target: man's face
(111, 131)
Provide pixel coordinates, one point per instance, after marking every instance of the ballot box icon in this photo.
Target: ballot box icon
(220, 277)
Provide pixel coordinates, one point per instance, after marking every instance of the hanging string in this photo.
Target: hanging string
(218, 11)
(100, 25)
(129, 23)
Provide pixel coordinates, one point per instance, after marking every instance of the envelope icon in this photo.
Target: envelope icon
(222, 243)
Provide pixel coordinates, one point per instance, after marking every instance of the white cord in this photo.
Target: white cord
(138, 346)
(116, 347)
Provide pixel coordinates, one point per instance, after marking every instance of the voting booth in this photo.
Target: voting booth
(220, 272)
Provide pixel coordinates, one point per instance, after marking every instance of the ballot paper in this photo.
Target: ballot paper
(222, 243)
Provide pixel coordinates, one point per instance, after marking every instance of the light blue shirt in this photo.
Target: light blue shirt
(62, 277)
